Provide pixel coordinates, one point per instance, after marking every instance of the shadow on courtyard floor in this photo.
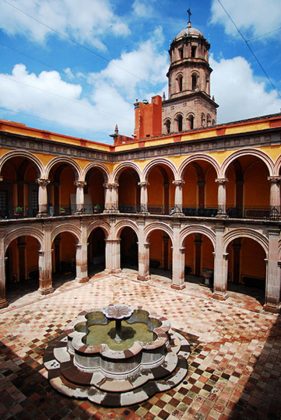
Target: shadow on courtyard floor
(261, 397)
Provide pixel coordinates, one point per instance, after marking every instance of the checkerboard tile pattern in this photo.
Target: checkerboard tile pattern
(234, 366)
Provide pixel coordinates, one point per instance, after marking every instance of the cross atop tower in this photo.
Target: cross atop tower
(189, 15)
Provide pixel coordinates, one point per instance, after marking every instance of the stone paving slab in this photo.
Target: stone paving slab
(234, 366)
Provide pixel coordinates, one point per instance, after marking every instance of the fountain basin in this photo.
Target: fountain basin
(118, 360)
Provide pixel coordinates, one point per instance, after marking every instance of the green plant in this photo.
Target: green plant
(19, 209)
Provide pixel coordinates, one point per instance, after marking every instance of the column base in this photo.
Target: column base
(221, 215)
(143, 278)
(82, 279)
(220, 295)
(46, 291)
(178, 286)
(42, 214)
(274, 309)
(3, 303)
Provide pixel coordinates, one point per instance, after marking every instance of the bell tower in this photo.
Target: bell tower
(189, 104)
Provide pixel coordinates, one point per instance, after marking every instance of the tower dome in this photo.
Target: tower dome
(189, 104)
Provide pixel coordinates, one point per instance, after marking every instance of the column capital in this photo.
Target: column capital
(43, 182)
(178, 182)
(112, 185)
(221, 181)
(80, 184)
(274, 179)
(143, 184)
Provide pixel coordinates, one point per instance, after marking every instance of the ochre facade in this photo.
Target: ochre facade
(185, 196)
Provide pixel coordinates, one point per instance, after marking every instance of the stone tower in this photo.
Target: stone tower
(189, 104)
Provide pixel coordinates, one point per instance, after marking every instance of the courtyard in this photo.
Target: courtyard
(234, 368)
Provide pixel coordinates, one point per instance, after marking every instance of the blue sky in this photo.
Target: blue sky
(77, 66)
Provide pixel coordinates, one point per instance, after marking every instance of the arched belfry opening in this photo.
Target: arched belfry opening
(189, 77)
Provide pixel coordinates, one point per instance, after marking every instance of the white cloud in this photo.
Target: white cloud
(142, 8)
(253, 17)
(237, 91)
(136, 71)
(86, 21)
(90, 103)
(48, 97)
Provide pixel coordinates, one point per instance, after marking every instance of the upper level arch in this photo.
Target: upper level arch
(247, 152)
(104, 170)
(98, 224)
(64, 160)
(198, 157)
(23, 154)
(161, 162)
(123, 166)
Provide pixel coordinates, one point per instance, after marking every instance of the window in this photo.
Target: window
(203, 119)
(209, 120)
(180, 53)
(180, 79)
(179, 119)
(194, 80)
(168, 126)
(191, 122)
(193, 51)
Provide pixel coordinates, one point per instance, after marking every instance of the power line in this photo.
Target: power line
(264, 34)
(138, 77)
(249, 47)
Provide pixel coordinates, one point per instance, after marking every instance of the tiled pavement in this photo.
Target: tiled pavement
(234, 367)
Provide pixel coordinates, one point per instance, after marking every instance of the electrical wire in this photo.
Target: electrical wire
(249, 47)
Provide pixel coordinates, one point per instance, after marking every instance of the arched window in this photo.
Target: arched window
(180, 80)
(193, 51)
(179, 121)
(203, 120)
(209, 120)
(191, 121)
(180, 53)
(194, 81)
(168, 126)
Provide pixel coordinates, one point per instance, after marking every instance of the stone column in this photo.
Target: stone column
(45, 263)
(107, 197)
(112, 255)
(143, 273)
(274, 196)
(220, 266)
(178, 277)
(178, 196)
(80, 203)
(178, 264)
(143, 196)
(3, 300)
(201, 193)
(42, 197)
(111, 197)
(82, 257)
(221, 196)
(273, 278)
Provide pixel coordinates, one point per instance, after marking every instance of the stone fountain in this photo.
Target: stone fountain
(117, 356)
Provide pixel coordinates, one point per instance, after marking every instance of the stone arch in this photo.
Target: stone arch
(23, 231)
(159, 161)
(66, 227)
(64, 160)
(125, 223)
(93, 165)
(158, 226)
(167, 124)
(189, 230)
(98, 224)
(194, 80)
(23, 154)
(277, 167)
(190, 118)
(179, 79)
(117, 171)
(246, 233)
(194, 158)
(246, 152)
